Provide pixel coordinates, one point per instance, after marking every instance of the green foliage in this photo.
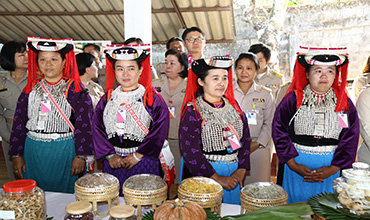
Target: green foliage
(148, 215)
(326, 205)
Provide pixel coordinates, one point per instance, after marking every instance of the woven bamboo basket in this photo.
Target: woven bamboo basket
(210, 200)
(109, 194)
(249, 203)
(139, 198)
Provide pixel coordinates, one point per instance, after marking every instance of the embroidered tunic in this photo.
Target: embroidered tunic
(77, 104)
(312, 135)
(284, 135)
(155, 118)
(202, 137)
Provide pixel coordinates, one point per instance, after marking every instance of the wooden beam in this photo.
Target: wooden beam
(178, 13)
(115, 12)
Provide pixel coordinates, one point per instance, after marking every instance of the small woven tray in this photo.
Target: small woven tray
(108, 194)
(251, 204)
(206, 200)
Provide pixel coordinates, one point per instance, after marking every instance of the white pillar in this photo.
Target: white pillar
(138, 19)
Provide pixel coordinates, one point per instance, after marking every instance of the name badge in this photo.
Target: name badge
(172, 112)
(343, 120)
(121, 116)
(252, 118)
(234, 142)
(45, 106)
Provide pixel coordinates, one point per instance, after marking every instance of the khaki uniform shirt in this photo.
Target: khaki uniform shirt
(282, 92)
(363, 110)
(95, 92)
(173, 100)
(102, 78)
(271, 80)
(259, 102)
(359, 83)
(9, 93)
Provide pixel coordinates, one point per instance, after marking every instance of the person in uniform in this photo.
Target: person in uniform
(14, 60)
(51, 134)
(362, 79)
(257, 103)
(266, 76)
(213, 132)
(88, 70)
(363, 109)
(282, 92)
(130, 122)
(194, 42)
(315, 127)
(172, 87)
(175, 43)
(94, 50)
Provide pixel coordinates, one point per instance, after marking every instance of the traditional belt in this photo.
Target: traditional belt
(231, 158)
(47, 137)
(126, 150)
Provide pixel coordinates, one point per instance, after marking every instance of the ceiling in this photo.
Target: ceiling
(104, 20)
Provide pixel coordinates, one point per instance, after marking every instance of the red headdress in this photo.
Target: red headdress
(321, 56)
(140, 53)
(64, 46)
(202, 65)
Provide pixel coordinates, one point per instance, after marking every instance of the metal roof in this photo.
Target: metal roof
(104, 20)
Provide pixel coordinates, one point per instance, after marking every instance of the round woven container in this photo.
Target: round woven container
(258, 195)
(98, 187)
(144, 189)
(202, 190)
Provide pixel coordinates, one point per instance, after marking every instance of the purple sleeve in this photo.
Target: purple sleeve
(19, 130)
(153, 142)
(102, 146)
(191, 144)
(245, 142)
(345, 154)
(82, 110)
(285, 149)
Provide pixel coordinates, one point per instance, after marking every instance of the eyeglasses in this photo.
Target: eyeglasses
(191, 40)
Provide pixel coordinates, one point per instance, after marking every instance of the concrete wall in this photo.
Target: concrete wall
(326, 25)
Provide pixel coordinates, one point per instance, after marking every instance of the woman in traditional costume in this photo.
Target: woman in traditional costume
(315, 127)
(130, 122)
(51, 134)
(214, 135)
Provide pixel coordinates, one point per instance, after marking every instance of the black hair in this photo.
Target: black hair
(114, 64)
(8, 52)
(250, 56)
(202, 76)
(133, 39)
(96, 47)
(172, 40)
(188, 30)
(61, 55)
(263, 48)
(84, 60)
(183, 60)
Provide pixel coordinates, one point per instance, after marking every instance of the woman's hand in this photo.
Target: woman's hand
(254, 147)
(226, 182)
(239, 175)
(116, 162)
(302, 170)
(323, 173)
(130, 161)
(18, 166)
(78, 166)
